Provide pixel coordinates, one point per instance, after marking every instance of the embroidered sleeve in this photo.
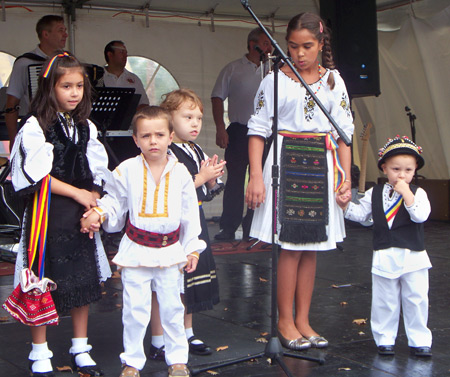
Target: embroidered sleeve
(97, 157)
(360, 212)
(420, 209)
(114, 204)
(31, 157)
(260, 123)
(340, 106)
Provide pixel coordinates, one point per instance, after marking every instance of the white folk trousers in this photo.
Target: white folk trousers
(137, 303)
(408, 292)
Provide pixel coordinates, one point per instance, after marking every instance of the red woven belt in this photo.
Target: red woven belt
(150, 239)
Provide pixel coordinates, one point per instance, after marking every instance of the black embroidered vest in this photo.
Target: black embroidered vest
(70, 163)
(191, 165)
(404, 233)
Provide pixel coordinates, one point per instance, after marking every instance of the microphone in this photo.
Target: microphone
(262, 55)
(257, 48)
(244, 4)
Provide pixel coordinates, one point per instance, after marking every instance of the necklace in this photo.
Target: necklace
(66, 121)
(320, 77)
(320, 80)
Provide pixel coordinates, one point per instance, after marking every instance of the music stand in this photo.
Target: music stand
(113, 110)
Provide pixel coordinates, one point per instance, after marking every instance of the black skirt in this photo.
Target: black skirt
(70, 259)
(201, 288)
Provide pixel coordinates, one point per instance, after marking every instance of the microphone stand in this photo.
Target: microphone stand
(412, 119)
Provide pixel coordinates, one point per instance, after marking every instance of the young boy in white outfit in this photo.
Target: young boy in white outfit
(161, 238)
(400, 263)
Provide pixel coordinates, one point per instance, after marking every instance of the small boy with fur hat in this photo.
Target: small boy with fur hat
(400, 263)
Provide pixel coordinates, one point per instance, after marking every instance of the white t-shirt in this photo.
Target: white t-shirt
(19, 79)
(126, 80)
(238, 81)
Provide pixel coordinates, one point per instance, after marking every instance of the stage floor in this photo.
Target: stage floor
(342, 294)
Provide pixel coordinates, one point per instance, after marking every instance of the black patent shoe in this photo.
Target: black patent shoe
(157, 353)
(421, 351)
(386, 350)
(199, 349)
(89, 370)
(39, 374)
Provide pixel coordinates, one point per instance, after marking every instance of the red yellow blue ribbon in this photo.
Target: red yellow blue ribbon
(392, 211)
(50, 64)
(39, 223)
(332, 145)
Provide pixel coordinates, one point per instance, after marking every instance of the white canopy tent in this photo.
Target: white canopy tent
(193, 40)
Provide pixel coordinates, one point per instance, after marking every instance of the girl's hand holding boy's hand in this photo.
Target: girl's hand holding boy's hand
(191, 264)
(343, 199)
(344, 195)
(90, 223)
(86, 198)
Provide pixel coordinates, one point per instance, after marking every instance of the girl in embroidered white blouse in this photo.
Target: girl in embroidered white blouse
(300, 119)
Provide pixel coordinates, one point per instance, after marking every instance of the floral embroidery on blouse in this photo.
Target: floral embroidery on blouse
(261, 102)
(309, 107)
(345, 104)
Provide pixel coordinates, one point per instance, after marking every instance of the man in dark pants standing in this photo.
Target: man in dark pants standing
(238, 81)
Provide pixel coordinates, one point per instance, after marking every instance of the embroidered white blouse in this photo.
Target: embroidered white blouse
(158, 208)
(393, 262)
(297, 111)
(36, 161)
(37, 157)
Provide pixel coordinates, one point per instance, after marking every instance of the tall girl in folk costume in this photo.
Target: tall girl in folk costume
(58, 139)
(309, 220)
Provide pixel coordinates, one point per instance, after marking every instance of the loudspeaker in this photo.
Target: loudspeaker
(353, 24)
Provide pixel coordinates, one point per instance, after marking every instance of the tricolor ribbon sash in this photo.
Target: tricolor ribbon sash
(392, 211)
(31, 302)
(39, 223)
(331, 144)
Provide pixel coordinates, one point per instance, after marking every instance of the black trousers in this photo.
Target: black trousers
(236, 156)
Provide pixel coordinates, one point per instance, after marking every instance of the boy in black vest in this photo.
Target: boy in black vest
(400, 263)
